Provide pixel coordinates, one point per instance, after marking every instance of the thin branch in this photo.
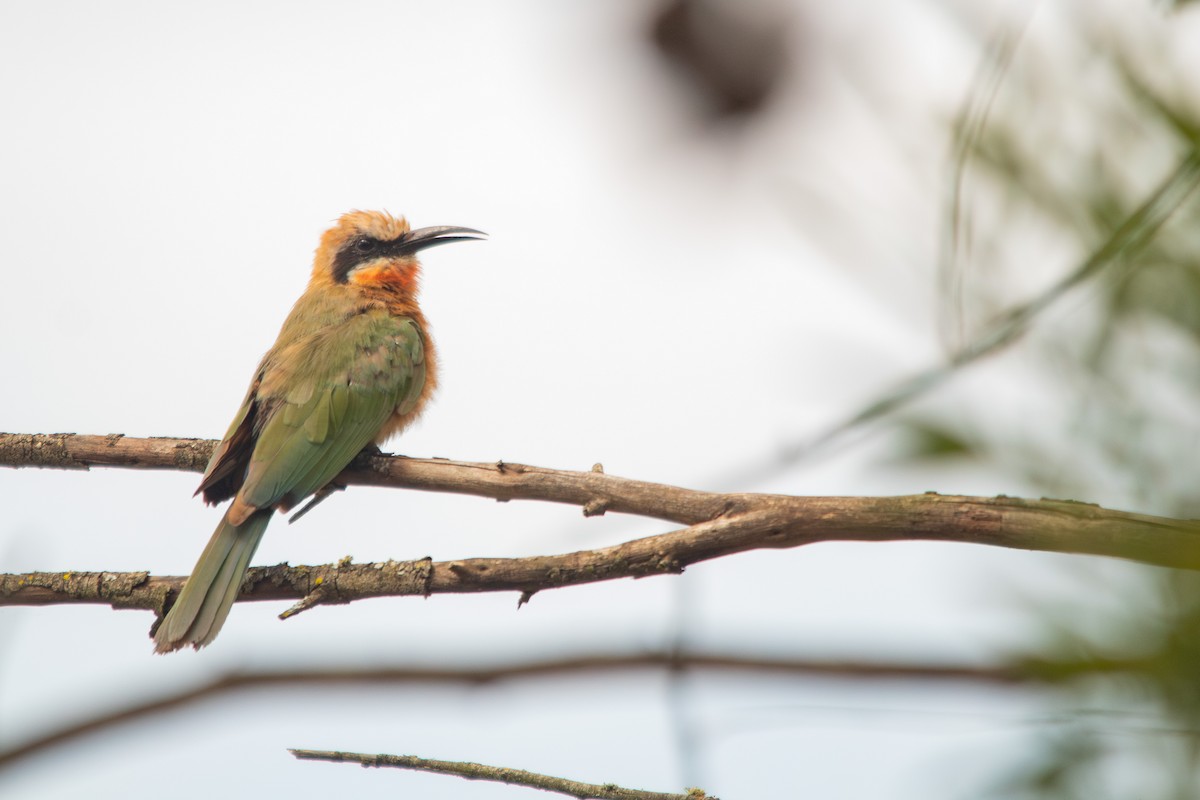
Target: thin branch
(1002, 675)
(514, 777)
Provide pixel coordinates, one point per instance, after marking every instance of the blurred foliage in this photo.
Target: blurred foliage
(1068, 132)
(926, 439)
(1064, 166)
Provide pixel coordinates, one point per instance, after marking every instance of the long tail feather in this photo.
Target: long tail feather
(202, 606)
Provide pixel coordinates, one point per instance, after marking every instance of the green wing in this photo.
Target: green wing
(330, 404)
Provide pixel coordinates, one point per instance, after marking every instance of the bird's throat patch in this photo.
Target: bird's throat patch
(386, 276)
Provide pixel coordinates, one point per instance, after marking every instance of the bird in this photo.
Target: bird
(353, 366)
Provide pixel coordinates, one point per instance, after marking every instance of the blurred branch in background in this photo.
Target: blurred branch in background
(968, 127)
(583, 666)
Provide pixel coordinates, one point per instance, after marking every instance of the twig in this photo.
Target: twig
(516, 777)
(1001, 675)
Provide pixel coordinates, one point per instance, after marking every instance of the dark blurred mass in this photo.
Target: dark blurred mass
(732, 56)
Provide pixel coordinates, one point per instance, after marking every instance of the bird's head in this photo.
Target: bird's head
(375, 249)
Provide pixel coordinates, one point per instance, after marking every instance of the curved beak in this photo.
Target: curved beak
(422, 238)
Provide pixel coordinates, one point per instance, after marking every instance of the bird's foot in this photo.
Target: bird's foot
(363, 459)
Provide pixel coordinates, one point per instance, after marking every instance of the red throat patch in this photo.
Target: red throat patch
(403, 279)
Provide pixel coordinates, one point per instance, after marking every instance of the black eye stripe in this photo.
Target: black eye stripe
(353, 253)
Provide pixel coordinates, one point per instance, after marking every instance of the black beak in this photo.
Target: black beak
(422, 238)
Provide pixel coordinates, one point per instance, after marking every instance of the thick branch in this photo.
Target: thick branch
(516, 777)
(719, 524)
(1003, 675)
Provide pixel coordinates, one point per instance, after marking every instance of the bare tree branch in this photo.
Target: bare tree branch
(239, 681)
(719, 524)
(594, 491)
(516, 777)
